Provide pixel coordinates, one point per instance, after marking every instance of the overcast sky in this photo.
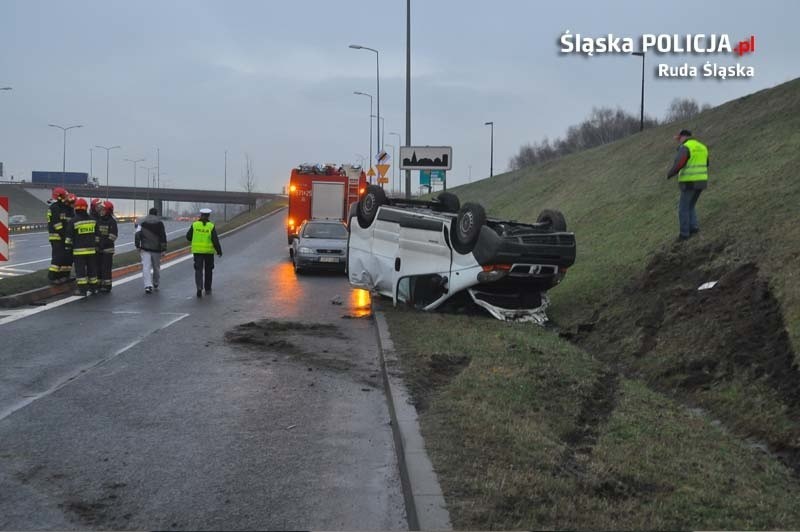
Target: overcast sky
(275, 78)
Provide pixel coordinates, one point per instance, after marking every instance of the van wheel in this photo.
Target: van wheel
(554, 218)
(368, 205)
(449, 202)
(467, 227)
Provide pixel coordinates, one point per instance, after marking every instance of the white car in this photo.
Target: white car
(17, 219)
(423, 253)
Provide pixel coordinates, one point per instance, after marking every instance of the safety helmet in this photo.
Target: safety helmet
(81, 205)
(108, 206)
(94, 203)
(59, 193)
(71, 198)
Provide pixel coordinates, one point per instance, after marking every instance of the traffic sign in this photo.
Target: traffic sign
(426, 177)
(426, 157)
(382, 157)
(383, 180)
(382, 169)
(371, 172)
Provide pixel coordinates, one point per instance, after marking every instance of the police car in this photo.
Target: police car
(425, 252)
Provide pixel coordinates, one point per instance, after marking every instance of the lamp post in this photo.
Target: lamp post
(135, 164)
(378, 85)
(108, 150)
(149, 169)
(369, 159)
(491, 150)
(225, 215)
(408, 91)
(399, 140)
(64, 153)
(641, 112)
(382, 137)
(91, 165)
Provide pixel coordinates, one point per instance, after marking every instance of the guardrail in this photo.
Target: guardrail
(24, 228)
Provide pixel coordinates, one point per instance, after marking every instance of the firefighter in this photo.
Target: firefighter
(107, 227)
(67, 269)
(83, 239)
(94, 212)
(203, 236)
(57, 219)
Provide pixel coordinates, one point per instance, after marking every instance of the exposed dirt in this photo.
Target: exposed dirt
(321, 345)
(688, 342)
(440, 370)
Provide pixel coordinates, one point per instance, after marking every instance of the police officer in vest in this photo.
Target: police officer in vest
(691, 167)
(203, 236)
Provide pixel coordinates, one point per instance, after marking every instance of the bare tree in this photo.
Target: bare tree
(682, 109)
(248, 181)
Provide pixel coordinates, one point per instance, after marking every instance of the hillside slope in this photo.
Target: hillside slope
(624, 211)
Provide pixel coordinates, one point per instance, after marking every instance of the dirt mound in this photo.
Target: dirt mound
(712, 347)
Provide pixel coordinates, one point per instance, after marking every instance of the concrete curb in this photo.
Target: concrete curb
(32, 297)
(425, 505)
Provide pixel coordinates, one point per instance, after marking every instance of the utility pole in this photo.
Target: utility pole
(491, 150)
(225, 216)
(408, 90)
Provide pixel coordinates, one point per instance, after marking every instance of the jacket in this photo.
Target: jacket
(57, 218)
(82, 235)
(107, 227)
(150, 234)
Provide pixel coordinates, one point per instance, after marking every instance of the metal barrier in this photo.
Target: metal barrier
(23, 228)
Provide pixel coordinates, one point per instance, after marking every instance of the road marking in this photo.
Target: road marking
(36, 310)
(9, 269)
(82, 371)
(29, 234)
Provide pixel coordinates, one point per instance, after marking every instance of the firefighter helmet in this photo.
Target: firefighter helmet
(81, 205)
(94, 203)
(59, 193)
(71, 198)
(108, 206)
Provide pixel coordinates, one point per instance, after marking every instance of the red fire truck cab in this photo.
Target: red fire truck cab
(322, 192)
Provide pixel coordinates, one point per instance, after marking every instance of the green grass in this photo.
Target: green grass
(37, 279)
(500, 422)
(519, 436)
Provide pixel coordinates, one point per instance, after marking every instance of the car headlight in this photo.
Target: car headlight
(305, 251)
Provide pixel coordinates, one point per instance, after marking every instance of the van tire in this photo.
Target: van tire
(554, 218)
(449, 202)
(465, 231)
(368, 205)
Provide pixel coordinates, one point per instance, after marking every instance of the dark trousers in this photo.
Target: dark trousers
(86, 272)
(106, 261)
(687, 216)
(203, 262)
(60, 261)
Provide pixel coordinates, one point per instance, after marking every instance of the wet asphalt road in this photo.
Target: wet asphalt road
(31, 251)
(131, 411)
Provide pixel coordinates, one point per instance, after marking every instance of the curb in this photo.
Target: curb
(32, 297)
(425, 505)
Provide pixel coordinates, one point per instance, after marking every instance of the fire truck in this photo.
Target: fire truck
(322, 191)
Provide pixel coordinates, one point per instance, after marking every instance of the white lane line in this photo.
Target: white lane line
(81, 371)
(118, 245)
(36, 310)
(28, 234)
(14, 270)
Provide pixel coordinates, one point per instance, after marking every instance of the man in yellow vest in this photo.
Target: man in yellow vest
(203, 236)
(691, 167)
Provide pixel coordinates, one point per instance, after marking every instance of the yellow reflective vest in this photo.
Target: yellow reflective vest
(201, 238)
(696, 168)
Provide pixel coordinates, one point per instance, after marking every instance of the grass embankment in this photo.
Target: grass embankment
(647, 462)
(37, 279)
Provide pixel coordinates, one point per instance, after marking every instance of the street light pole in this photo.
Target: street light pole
(135, 164)
(383, 135)
(408, 90)
(491, 152)
(378, 86)
(225, 215)
(369, 158)
(641, 115)
(108, 150)
(64, 160)
(396, 162)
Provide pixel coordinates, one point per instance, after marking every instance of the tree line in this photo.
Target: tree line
(604, 125)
